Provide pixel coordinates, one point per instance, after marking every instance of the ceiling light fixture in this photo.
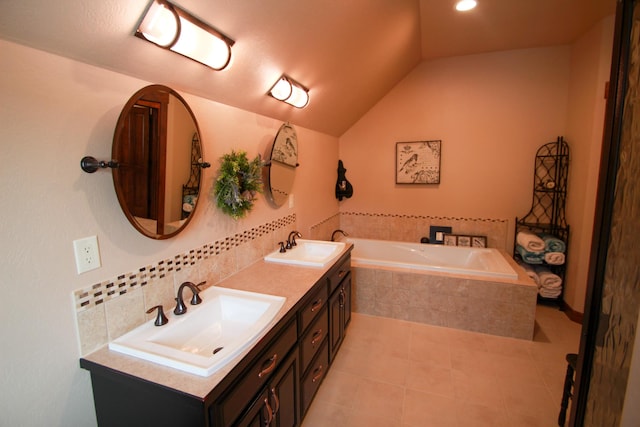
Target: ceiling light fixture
(288, 90)
(170, 27)
(465, 5)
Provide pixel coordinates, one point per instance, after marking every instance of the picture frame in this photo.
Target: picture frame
(418, 162)
(450, 240)
(437, 234)
(479, 241)
(464, 241)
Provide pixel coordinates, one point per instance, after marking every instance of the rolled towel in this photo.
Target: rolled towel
(530, 257)
(549, 280)
(530, 272)
(530, 241)
(553, 244)
(554, 258)
(549, 293)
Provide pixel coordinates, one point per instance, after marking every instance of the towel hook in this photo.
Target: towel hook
(90, 164)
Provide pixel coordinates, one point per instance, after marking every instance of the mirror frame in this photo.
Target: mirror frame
(156, 93)
(286, 130)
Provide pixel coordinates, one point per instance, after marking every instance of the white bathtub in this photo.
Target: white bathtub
(485, 262)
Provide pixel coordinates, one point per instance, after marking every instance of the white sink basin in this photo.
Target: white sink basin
(208, 336)
(314, 253)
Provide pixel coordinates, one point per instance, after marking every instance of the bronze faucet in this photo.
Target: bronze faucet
(195, 299)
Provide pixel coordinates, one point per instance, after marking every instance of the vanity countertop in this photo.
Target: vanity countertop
(291, 282)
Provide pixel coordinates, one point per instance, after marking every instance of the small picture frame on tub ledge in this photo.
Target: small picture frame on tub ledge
(479, 241)
(464, 241)
(450, 240)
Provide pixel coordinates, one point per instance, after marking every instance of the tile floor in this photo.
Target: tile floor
(396, 373)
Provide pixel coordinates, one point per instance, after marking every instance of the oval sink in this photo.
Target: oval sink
(208, 336)
(313, 253)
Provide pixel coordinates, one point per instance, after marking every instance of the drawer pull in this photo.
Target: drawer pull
(317, 336)
(317, 374)
(316, 305)
(269, 416)
(342, 273)
(271, 367)
(276, 400)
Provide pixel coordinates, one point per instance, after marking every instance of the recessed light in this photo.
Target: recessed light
(464, 5)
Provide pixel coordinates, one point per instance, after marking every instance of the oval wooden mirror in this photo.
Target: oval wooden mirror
(159, 154)
(282, 162)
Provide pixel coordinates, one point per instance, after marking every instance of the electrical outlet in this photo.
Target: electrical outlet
(87, 254)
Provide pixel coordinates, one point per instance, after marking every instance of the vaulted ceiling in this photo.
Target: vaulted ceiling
(349, 53)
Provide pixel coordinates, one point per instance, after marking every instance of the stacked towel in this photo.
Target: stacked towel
(554, 258)
(553, 244)
(530, 257)
(530, 241)
(531, 272)
(550, 284)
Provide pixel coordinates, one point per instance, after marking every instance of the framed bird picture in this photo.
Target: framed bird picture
(418, 162)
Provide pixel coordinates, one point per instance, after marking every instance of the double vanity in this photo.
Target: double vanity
(253, 353)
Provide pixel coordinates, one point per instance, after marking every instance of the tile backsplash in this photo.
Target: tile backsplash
(106, 310)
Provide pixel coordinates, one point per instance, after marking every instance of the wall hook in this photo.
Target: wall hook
(90, 164)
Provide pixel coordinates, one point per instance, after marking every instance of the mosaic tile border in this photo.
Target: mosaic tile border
(447, 218)
(102, 292)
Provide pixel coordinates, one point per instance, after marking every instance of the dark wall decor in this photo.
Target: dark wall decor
(418, 162)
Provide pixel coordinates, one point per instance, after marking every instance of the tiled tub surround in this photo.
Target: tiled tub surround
(410, 228)
(109, 309)
(493, 306)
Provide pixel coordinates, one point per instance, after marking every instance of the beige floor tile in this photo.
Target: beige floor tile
(323, 414)
(392, 373)
(339, 388)
(477, 388)
(379, 399)
(425, 409)
(473, 415)
(427, 377)
(366, 419)
(528, 399)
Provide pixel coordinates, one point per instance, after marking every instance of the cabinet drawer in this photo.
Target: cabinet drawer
(312, 380)
(313, 307)
(257, 375)
(339, 273)
(313, 338)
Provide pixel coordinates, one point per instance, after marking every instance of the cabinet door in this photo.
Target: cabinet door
(259, 414)
(336, 323)
(347, 301)
(283, 394)
(277, 404)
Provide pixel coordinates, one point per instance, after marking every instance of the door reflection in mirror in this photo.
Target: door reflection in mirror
(157, 145)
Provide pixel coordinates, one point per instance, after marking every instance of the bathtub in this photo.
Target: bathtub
(439, 258)
(475, 289)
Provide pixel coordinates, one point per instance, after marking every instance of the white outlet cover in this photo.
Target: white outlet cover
(87, 254)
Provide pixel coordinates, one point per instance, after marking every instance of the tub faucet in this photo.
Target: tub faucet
(291, 240)
(195, 299)
(333, 235)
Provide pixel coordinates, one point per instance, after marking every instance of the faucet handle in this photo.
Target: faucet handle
(161, 319)
(195, 299)
(282, 248)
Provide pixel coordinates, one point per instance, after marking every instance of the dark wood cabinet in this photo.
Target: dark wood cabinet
(272, 386)
(277, 404)
(339, 308)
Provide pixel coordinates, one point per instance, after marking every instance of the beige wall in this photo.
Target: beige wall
(590, 68)
(53, 112)
(491, 112)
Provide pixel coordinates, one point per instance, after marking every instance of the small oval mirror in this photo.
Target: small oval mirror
(159, 154)
(281, 165)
